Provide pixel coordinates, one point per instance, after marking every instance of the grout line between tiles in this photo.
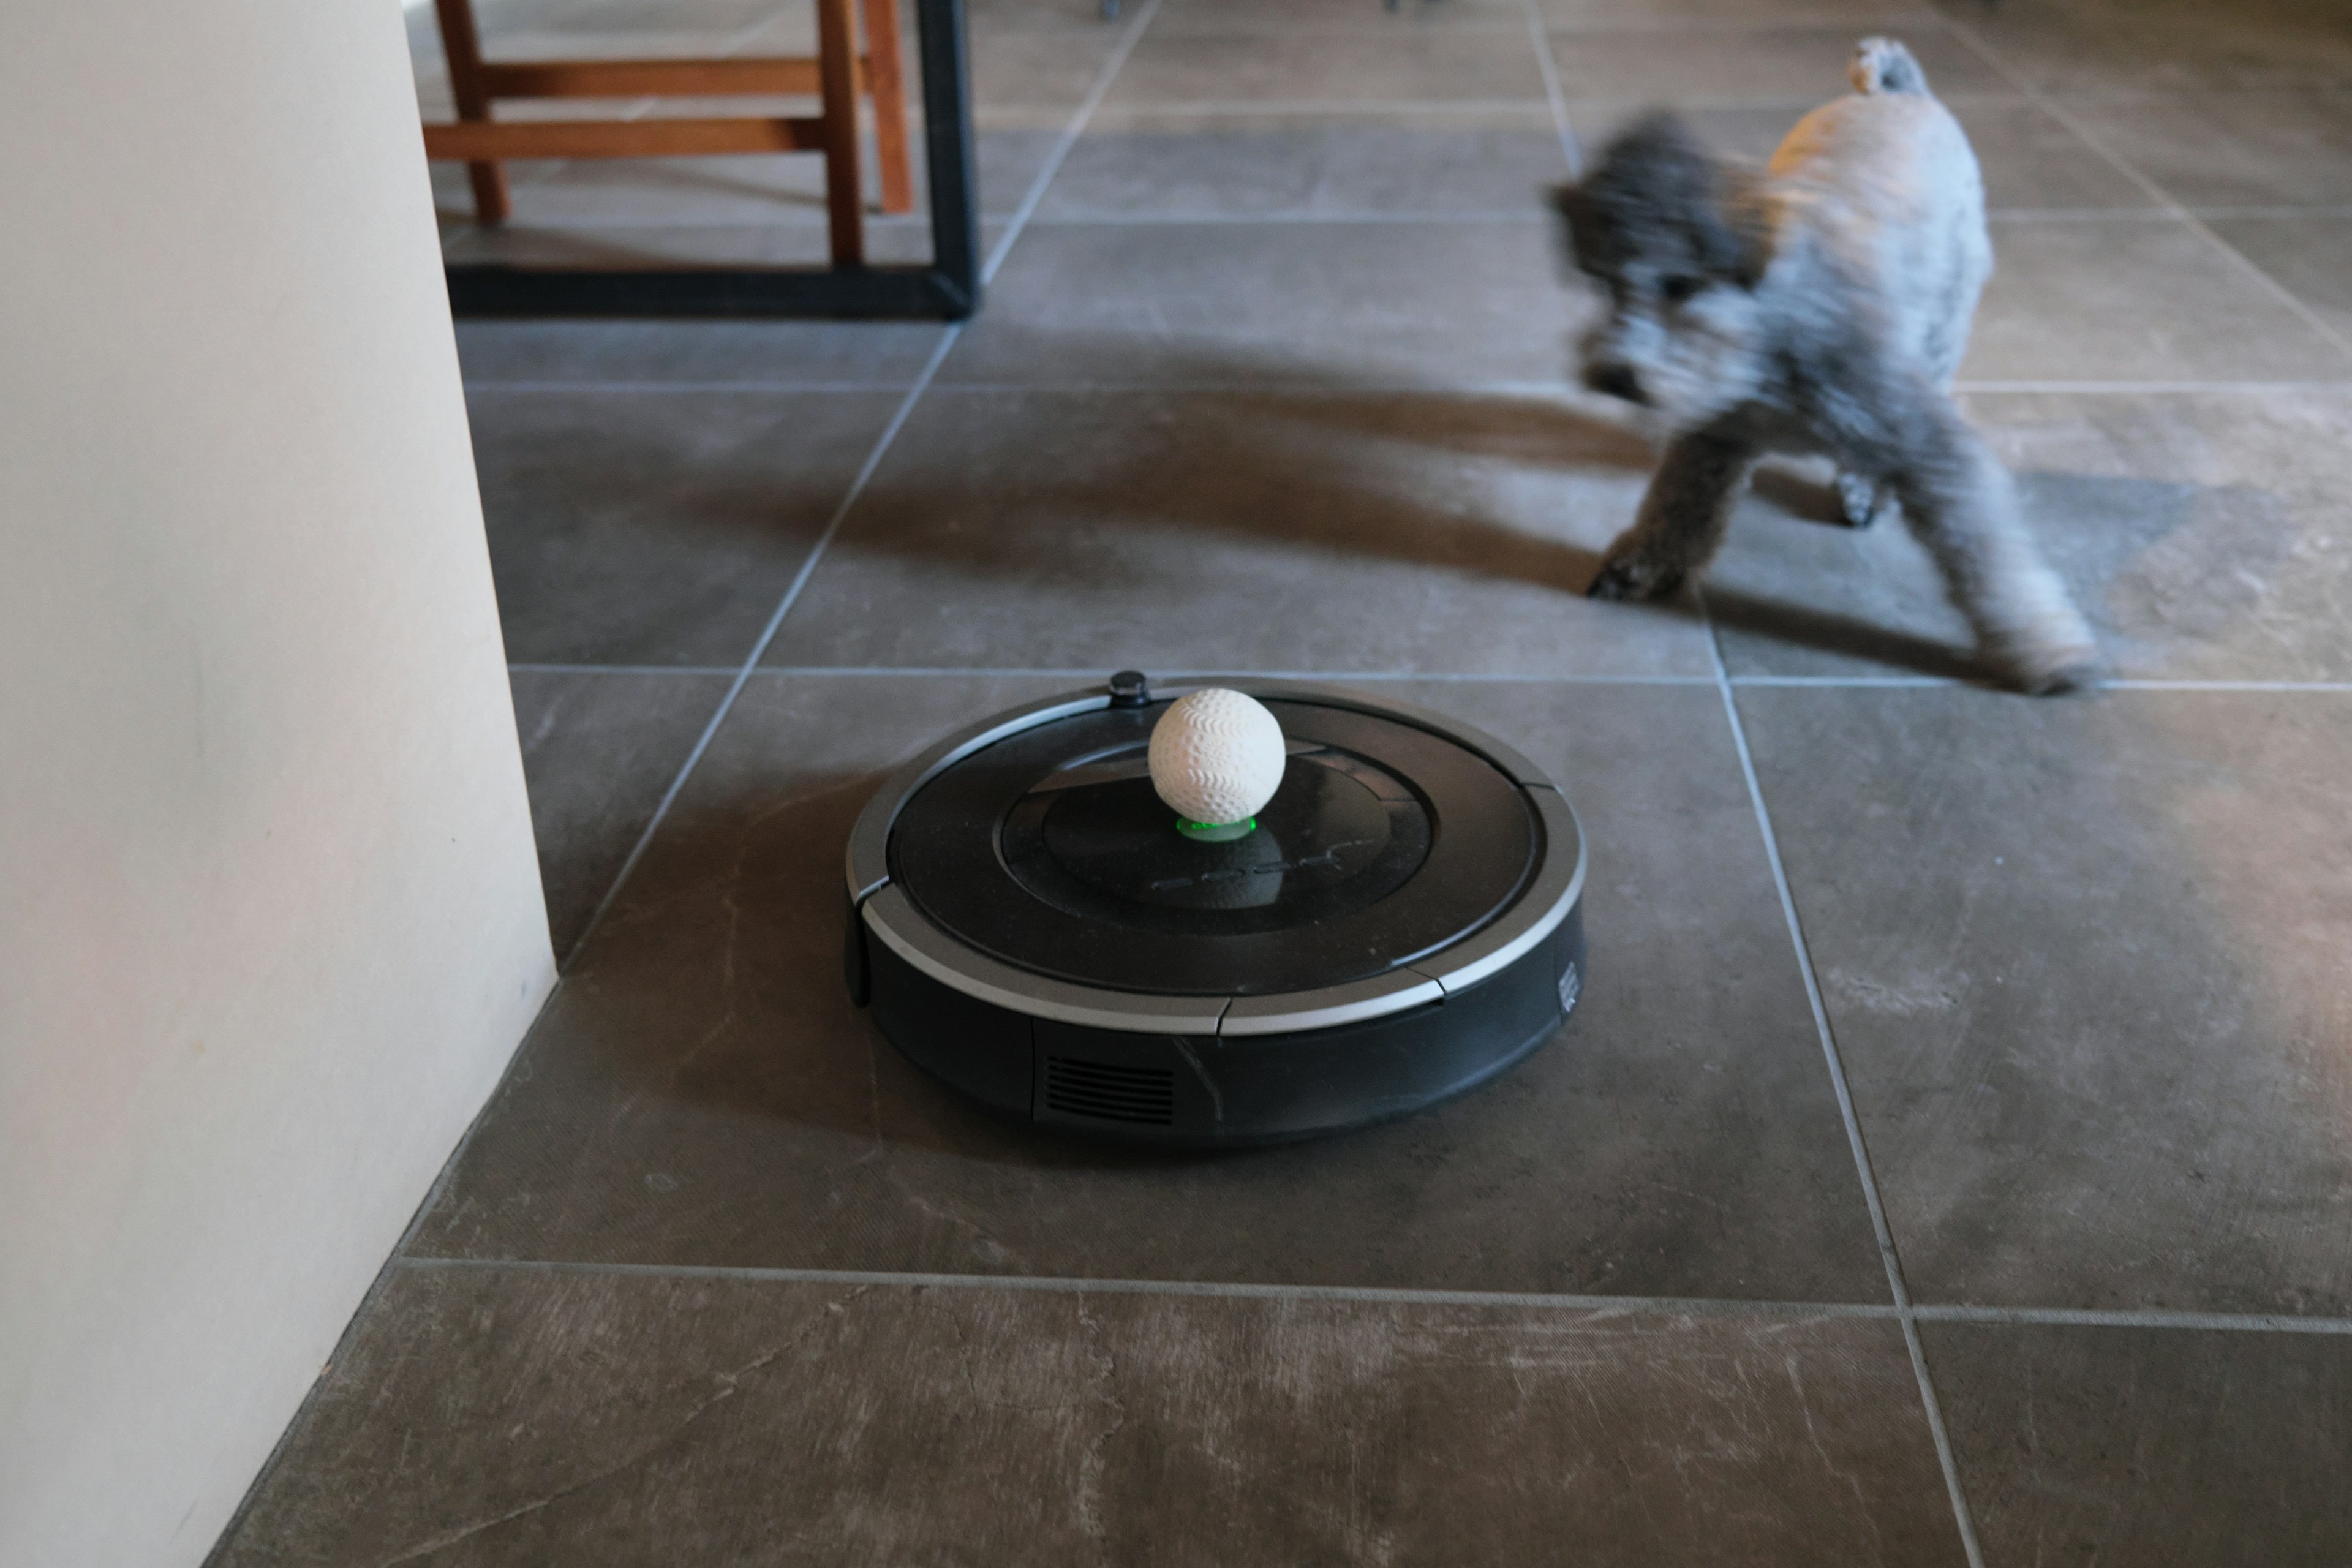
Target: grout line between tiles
(2259, 215)
(1424, 26)
(1654, 26)
(524, 666)
(1079, 120)
(2204, 214)
(1097, 673)
(2311, 686)
(2060, 1317)
(1554, 94)
(1276, 386)
(1888, 1253)
(811, 227)
(2132, 171)
(947, 341)
(767, 635)
(751, 388)
(2150, 388)
(1463, 676)
(1797, 103)
(2126, 1317)
(1853, 682)
(1076, 1285)
(376, 1287)
(1363, 217)
(1433, 217)
(2150, 215)
(1374, 107)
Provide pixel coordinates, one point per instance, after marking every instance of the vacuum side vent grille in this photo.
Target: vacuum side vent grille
(1107, 1092)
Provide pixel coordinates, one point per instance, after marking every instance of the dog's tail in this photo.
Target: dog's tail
(1881, 65)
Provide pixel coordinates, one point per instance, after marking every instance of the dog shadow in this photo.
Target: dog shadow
(1293, 436)
(725, 950)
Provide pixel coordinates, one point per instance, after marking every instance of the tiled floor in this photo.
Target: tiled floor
(1952, 1161)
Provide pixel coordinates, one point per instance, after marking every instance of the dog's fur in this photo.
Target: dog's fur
(1821, 305)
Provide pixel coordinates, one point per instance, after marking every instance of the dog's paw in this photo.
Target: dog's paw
(2053, 673)
(1631, 579)
(1860, 501)
(2083, 675)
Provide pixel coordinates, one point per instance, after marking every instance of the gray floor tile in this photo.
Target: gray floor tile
(2144, 1449)
(497, 18)
(657, 526)
(2103, 46)
(2030, 160)
(870, 353)
(1034, 77)
(2083, 959)
(1074, 16)
(597, 752)
(543, 29)
(498, 1417)
(1671, 15)
(792, 242)
(1168, 168)
(761, 191)
(2237, 148)
(2133, 300)
(2204, 535)
(2310, 256)
(623, 247)
(1276, 304)
(1326, 17)
(1694, 68)
(1410, 64)
(702, 1091)
(2086, 965)
(1375, 530)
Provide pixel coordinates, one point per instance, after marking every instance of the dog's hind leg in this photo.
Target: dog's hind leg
(1682, 518)
(1961, 502)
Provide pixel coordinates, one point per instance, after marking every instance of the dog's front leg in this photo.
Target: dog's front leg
(1961, 502)
(1682, 518)
(1859, 500)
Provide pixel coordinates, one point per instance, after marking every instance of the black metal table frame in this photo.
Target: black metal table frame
(948, 290)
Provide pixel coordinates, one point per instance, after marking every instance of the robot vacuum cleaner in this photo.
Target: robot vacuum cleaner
(1031, 922)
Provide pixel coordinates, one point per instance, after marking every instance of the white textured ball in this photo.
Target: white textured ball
(1217, 756)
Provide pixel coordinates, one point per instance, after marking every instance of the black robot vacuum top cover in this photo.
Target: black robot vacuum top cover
(1029, 924)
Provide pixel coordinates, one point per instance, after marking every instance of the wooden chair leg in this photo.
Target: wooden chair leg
(886, 79)
(462, 48)
(836, 64)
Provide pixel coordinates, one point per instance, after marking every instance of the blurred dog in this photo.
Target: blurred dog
(1821, 305)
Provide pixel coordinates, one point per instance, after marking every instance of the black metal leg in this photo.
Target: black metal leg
(948, 290)
(947, 143)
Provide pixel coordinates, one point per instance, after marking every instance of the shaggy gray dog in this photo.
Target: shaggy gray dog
(1819, 306)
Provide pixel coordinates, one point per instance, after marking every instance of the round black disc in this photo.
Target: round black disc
(1051, 851)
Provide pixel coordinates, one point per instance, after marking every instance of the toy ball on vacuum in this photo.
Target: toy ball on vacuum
(1217, 757)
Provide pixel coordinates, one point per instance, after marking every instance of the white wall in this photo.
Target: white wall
(269, 918)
